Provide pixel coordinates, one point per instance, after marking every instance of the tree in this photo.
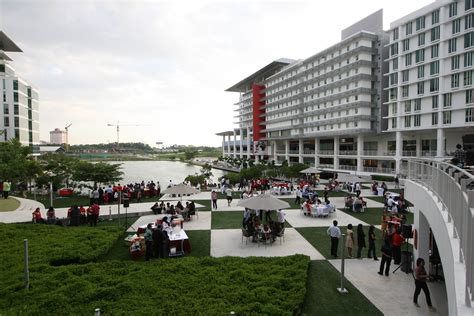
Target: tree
(57, 167)
(100, 172)
(190, 154)
(16, 165)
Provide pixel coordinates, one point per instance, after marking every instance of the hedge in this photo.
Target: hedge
(189, 285)
(383, 178)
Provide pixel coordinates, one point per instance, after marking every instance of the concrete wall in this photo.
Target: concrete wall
(373, 23)
(429, 214)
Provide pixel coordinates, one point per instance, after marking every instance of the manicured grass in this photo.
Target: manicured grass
(233, 220)
(205, 203)
(317, 236)
(200, 242)
(8, 205)
(373, 216)
(322, 297)
(381, 199)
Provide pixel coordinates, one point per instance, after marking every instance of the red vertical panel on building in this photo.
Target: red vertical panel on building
(257, 102)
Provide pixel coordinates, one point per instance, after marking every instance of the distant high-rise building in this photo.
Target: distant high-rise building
(19, 116)
(57, 137)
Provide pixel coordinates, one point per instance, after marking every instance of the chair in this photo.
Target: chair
(326, 211)
(245, 234)
(357, 207)
(281, 234)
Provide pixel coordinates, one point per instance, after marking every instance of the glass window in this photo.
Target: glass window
(421, 39)
(469, 115)
(468, 39)
(469, 96)
(452, 45)
(407, 121)
(405, 91)
(394, 49)
(435, 17)
(407, 106)
(447, 100)
(6, 121)
(406, 44)
(468, 21)
(434, 102)
(434, 68)
(420, 23)
(435, 34)
(394, 122)
(408, 28)
(467, 78)
(434, 118)
(447, 117)
(455, 62)
(468, 4)
(435, 51)
(421, 87)
(6, 110)
(417, 107)
(417, 120)
(456, 26)
(421, 71)
(405, 75)
(468, 59)
(453, 9)
(420, 55)
(455, 81)
(395, 34)
(434, 84)
(408, 59)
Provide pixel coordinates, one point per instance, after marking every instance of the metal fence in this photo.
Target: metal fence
(455, 189)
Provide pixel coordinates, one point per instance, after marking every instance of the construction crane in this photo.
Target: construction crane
(67, 136)
(118, 130)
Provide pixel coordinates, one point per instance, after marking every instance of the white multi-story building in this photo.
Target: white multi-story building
(57, 137)
(19, 117)
(431, 95)
(370, 101)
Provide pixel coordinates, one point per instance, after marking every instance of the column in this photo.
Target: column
(235, 141)
(248, 143)
(275, 157)
(228, 145)
(336, 153)
(316, 149)
(418, 146)
(241, 143)
(287, 151)
(360, 153)
(398, 151)
(300, 151)
(440, 149)
(223, 145)
(423, 236)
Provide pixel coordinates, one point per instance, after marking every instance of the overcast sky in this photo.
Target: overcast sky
(163, 64)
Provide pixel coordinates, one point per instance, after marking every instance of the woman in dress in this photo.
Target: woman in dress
(349, 240)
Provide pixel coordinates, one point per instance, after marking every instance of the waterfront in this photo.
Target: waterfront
(162, 171)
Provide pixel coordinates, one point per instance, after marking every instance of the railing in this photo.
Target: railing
(454, 187)
(326, 166)
(370, 153)
(347, 167)
(408, 153)
(294, 152)
(326, 152)
(280, 152)
(348, 152)
(308, 151)
(379, 170)
(428, 153)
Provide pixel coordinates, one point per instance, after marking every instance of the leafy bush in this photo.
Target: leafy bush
(382, 178)
(186, 286)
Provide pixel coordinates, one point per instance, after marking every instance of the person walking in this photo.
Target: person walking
(228, 193)
(149, 242)
(372, 253)
(459, 156)
(299, 194)
(420, 283)
(335, 233)
(360, 240)
(214, 199)
(386, 257)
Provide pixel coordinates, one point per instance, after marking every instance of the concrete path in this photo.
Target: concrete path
(22, 213)
(393, 295)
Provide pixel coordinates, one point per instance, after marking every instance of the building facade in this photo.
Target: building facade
(370, 101)
(57, 137)
(19, 116)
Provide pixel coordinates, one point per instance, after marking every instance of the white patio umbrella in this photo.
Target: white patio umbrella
(344, 177)
(263, 202)
(310, 170)
(181, 189)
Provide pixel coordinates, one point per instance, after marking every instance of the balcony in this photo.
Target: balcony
(348, 152)
(326, 152)
(379, 170)
(326, 166)
(347, 167)
(428, 153)
(308, 151)
(280, 152)
(409, 153)
(294, 152)
(370, 153)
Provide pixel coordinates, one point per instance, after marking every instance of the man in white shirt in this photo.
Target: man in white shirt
(281, 218)
(228, 193)
(335, 233)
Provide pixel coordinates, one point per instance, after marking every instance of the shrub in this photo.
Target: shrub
(382, 178)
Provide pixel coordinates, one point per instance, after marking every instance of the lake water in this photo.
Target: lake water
(162, 171)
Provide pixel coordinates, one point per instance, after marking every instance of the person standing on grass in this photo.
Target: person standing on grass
(372, 253)
(420, 283)
(335, 233)
(360, 240)
(149, 242)
(214, 199)
(349, 240)
(95, 211)
(6, 189)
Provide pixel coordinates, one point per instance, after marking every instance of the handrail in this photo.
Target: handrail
(453, 186)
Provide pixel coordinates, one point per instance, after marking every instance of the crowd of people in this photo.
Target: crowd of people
(76, 216)
(179, 209)
(132, 191)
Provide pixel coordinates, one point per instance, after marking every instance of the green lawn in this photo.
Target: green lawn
(381, 199)
(200, 242)
(322, 297)
(373, 215)
(233, 220)
(8, 205)
(205, 203)
(317, 236)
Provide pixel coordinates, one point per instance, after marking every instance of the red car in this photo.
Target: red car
(65, 192)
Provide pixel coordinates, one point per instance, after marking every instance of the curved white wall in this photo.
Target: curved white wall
(454, 271)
